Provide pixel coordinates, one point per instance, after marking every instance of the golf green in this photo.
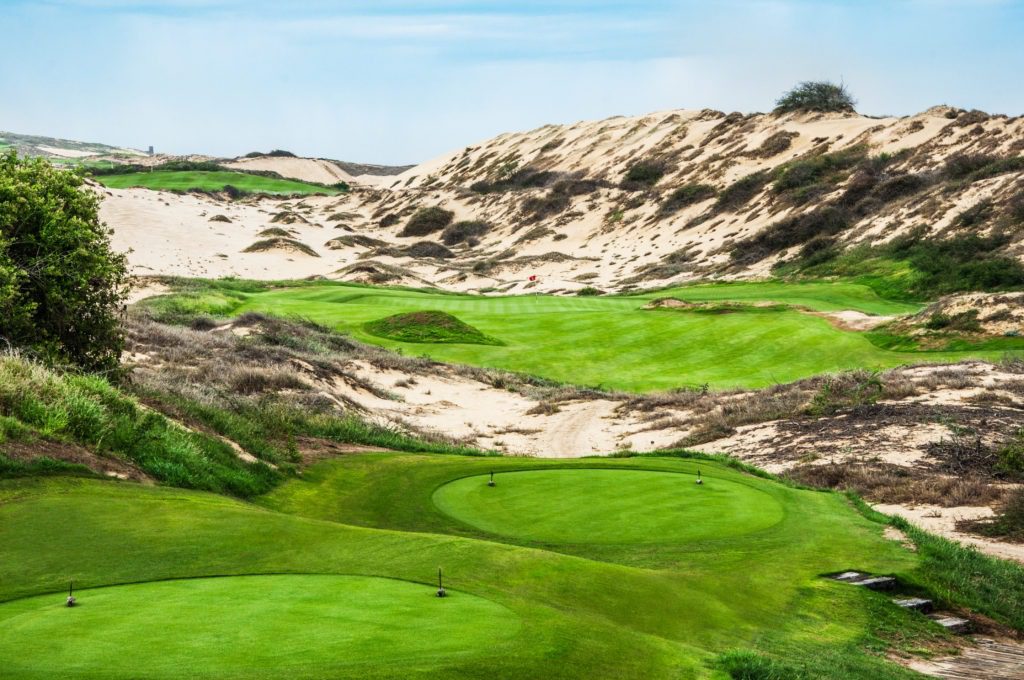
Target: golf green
(612, 342)
(608, 506)
(242, 626)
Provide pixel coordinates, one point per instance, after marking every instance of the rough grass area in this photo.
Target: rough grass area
(430, 326)
(610, 341)
(215, 180)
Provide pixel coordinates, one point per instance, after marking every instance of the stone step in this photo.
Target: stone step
(877, 583)
(916, 603)
(953, 624)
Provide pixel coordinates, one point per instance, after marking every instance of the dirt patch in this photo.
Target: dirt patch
(72, 453)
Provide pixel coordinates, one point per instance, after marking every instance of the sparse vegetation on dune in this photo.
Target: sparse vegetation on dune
(816, 96)
(426, 221)
(281, 243)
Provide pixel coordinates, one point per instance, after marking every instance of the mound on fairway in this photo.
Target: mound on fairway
(245, 626)
(180, 180)
(430, 326)
(608, 506)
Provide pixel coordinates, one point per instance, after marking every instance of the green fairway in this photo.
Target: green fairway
(608, 506)
(243, 625)
(304, 604)
(165, 180)
(612, 341)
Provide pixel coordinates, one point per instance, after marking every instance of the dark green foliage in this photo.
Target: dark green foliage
(802, 180)
(964, 322)
(643, 175)
(815, 225)
(1009, 522)
(427, 221)
(389, 220)
(281, 153)
(740, 192)
(429, 326)
(40, 467)
(747, 665)
(589, 291)
(975, 215)
(1011, 458)
(465, 232)
(687, 195)
(526, 178)
(1015, 208)
(169, 166)
(62, 288)
(428, 249)
(973, 167)
(848, 390)
(818, 96)
(552, 203)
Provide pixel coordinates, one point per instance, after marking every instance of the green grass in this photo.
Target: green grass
(230, 626)
(212, 181)
(429, 326)
(519, 608)
(608, 506)
(607, 341)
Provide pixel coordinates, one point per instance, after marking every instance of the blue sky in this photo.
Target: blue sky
(398, 81)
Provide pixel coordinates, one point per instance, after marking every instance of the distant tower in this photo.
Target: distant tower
(151, 150)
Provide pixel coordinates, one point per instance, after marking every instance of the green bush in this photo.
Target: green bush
(964, 321)
(427, 221)
(464, 232)
(819, 96)
(62, 288)
(643, 175)
(687, 195)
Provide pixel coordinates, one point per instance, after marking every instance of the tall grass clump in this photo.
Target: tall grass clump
(88, 411)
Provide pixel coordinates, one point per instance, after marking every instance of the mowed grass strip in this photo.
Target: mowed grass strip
(174, 180)
(231, 626)
(616, 344)
(609, 506)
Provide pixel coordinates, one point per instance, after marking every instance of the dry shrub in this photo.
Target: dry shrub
(895, 484)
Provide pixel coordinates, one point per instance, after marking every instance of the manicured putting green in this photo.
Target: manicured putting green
(248, 626)
(608, 506)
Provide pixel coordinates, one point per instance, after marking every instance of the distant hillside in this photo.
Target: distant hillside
(53, 147)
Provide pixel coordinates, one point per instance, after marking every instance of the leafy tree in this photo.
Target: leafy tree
(821, 96)
(62, 288)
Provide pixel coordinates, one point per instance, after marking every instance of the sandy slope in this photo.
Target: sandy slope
(314, 170)
(607, 236)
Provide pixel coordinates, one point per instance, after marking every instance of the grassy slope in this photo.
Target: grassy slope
(611, 341)
(638, 612)
(212, 181)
